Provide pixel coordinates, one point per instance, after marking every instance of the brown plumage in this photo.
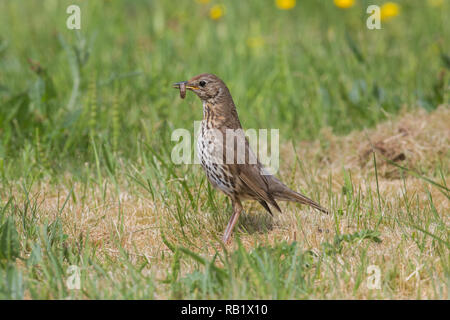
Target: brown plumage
(239, 176)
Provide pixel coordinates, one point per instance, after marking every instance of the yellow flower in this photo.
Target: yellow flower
(285, 4)
(344, 4)
(203, 1)
(216, 12)
(435, 3)
(389, 10)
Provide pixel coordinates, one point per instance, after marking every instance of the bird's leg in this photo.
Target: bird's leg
(237, 209)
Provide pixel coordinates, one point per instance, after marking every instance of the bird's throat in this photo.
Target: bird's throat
(210, 115)
(220, 115)
(206, 109)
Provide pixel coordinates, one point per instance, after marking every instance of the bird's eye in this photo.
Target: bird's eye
(202, 83)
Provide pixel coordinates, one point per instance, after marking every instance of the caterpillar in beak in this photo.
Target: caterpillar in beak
(182, 90)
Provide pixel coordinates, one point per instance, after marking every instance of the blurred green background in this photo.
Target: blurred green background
(311, 66)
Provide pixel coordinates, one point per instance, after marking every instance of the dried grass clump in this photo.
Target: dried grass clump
(418, 140)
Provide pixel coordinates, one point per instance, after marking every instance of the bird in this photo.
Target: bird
(220, 143)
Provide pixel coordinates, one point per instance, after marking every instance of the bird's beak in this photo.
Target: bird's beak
(186, 83)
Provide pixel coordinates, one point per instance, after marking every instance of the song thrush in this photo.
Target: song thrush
(239, 176)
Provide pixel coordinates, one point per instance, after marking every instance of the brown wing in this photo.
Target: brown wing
(261, 187)
(251, 177)
(249, 174)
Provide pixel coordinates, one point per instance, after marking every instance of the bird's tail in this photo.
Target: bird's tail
(283, 193)
(297, 197)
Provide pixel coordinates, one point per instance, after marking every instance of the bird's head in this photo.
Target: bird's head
(206, 86)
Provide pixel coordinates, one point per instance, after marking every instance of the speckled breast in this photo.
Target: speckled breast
(210, 154)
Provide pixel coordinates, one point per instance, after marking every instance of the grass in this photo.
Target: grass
(86, 178)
